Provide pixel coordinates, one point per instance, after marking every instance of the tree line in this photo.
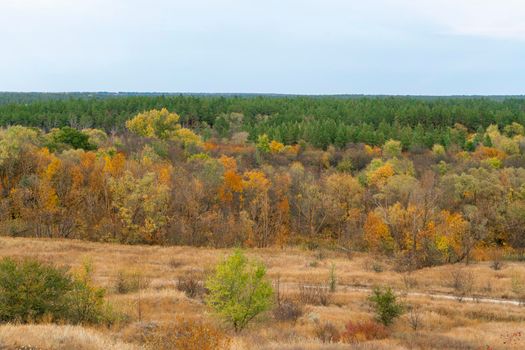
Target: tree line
(320, 121)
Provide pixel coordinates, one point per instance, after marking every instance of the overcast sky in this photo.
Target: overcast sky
(432, 47)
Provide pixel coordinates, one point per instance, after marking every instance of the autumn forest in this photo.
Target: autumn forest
(425, 180)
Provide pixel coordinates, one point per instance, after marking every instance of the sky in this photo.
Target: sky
(399, 47)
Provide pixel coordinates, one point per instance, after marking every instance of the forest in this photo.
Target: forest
(424, 181)
(320, 121)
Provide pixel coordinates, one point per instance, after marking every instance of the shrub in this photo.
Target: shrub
(191, 285)
(238, 290)
(385, 305)
(31, 291)
(327, 332)
(86, 301)
(414, 318)
(377, 267)
(129, 282)
(314, 294)
(188, 334)
(462, 282)
(497, 263)
(361, 331)
(288, 310)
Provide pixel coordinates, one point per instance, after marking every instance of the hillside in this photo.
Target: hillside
(450, 324)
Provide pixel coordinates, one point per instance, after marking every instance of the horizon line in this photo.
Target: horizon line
(258, 93)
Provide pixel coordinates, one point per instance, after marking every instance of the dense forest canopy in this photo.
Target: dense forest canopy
(428, 181)
(317, 120)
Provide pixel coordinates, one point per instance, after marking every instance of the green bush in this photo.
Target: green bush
(31, 291)
(238, 290)
(85, 301)
(386, 306)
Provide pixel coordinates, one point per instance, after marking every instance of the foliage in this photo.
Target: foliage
(263, 143)
(188, 334)
(377, 234)
(438, 150)
(320, 121)
(71, 137)
(154, 123)
(362, 331)
(272, 172)
(385, 305)
(163, 125)
(392, 149)
(14, 141)
(238, 290)
(31, 291)
(141, 206)
(86, 301)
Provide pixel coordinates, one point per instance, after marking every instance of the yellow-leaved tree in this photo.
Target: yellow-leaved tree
(141, 204)
(164, 125)
(377, 234)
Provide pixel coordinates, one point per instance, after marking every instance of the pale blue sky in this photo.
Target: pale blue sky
(432, 47)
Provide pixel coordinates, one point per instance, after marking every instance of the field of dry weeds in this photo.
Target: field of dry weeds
(143, 283)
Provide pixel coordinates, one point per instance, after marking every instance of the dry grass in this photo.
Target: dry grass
(444, 323)
(47, 337)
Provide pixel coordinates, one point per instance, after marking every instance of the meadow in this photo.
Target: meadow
(157, 300)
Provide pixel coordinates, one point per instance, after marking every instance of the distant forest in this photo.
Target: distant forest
(425, 180)
(321, 121)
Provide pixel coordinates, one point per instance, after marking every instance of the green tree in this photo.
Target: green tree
(385, 305)
(239, 290)
(72, 137)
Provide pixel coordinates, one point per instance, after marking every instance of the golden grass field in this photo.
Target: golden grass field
(444, 324)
